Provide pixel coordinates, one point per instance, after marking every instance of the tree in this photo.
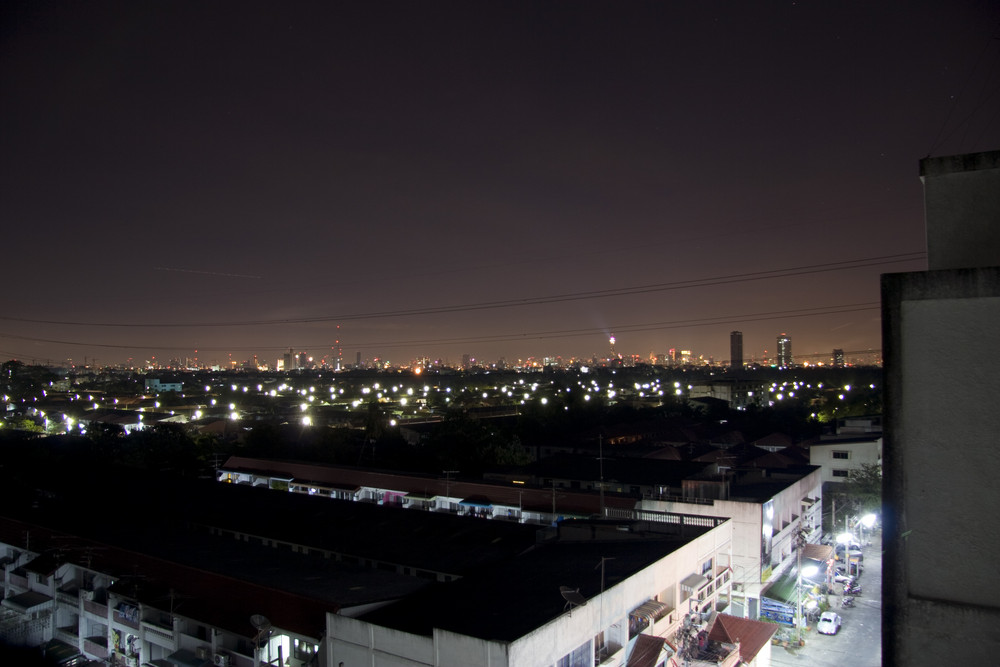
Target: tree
(863, 488)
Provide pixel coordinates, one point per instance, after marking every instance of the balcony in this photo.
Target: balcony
(96, 608)
(68, 634)
(159, 635)
(126, 618)
(68, 598)
(96, 646)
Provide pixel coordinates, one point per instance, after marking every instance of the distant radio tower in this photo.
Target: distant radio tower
(340, 352)
(612, 341)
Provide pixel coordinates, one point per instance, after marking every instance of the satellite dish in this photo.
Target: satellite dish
(572, 597)
(260, 622)
(263, 627)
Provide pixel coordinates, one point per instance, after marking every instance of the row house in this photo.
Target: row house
(49, 600)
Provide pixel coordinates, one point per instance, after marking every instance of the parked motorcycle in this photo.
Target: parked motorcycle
(848, 601)
(852, 589)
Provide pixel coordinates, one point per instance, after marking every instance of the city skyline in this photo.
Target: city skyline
(503, 181)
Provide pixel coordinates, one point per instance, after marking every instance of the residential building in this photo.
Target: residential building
(595, 594)
(838, 457)
(768, 507)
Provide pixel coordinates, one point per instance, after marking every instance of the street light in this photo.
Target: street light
(846, 539)
(867, 521)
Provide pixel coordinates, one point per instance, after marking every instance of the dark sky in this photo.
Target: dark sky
(494, 178)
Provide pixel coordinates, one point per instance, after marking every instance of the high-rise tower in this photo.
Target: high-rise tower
(784, 350)
(736, 349)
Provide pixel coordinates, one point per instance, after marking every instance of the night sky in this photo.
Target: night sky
(499, 179)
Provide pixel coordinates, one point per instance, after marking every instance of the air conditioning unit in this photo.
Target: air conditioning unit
(222, 660)
(202, 652)
(87, 595)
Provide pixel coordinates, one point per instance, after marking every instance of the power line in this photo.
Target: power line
(524, 301)
(499, 338)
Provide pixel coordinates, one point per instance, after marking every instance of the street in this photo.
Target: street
(859, 642)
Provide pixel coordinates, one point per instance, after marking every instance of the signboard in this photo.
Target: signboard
(777, 611)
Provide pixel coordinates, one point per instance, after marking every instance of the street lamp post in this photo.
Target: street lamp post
(809, 571)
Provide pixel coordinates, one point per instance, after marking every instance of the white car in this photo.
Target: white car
(829, 623)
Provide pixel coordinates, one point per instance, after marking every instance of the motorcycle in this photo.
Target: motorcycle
(848, 601)
(852, 589)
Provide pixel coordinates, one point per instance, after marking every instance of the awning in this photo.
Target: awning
(27, 603)
(693, 582)
(417, 496)
(651, 609)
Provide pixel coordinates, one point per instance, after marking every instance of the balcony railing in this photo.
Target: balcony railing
(93, 648)
(121, 618)
(96, 608)
(165, 636)
(67, 598)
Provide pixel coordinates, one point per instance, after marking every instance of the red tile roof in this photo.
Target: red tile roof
(752, 635)
(646, 651)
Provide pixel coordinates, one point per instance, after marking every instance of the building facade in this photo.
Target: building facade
(784, 350)
(736, 349)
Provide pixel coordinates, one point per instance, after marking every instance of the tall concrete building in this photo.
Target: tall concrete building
(736, 349)
(941, 595)
(784, 350)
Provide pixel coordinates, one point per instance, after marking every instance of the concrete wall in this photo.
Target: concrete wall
(941, 592)
(860, 453)
(962, 209)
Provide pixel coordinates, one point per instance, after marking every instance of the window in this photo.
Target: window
(841, 455)
(706, 567)
(578, 658)
(303, 650)
(840, 473)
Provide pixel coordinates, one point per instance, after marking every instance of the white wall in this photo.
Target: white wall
(859, 453)
(356, 642)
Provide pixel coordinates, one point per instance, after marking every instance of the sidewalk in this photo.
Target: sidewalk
(859, 642)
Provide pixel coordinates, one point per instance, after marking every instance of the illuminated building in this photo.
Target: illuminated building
(784, 350)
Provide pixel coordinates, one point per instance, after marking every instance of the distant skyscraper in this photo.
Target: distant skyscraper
(784, 350)
(838, 357)
(736, 349)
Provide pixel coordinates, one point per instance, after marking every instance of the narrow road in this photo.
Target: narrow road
(859, 642)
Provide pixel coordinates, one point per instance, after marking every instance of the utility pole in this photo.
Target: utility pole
(600, 458)
(447, 486)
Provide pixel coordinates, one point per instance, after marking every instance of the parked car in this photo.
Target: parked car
(842, 578)
(829, 623)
